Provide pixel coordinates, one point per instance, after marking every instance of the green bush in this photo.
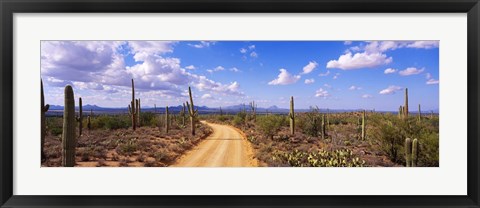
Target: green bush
(239, 119)
(270, 124)
(111, 122)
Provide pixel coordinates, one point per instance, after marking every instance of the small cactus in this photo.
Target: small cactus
(291, 115)
(408, 152)
(80, 117)
(192, 112)
(43, 121)
(167, 120)
(253, 108)
(414, 152)
(419, 113)
(68, 137)
(89, 120)
(405, 108)
(363, 125)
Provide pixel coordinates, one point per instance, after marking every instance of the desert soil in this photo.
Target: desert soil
(225, 147)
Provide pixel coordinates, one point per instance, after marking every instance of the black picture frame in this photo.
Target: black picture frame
(9, 7)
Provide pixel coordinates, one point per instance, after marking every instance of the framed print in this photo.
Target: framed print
(248, 104)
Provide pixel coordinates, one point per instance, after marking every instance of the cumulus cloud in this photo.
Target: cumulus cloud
(322, 93)
(203, 44)
(243, 50)
(309, 81)
(234, 69)
(389, 71)
(327, 85)
(411, 71)
(253, 54)
(390, 90)
(284, 78)
(432, 81)
(347, 43)
(351, 61)
(423, 44)
(382, 46)
(367, 96)
(216, 69)
(100, 66)
(336, 76)
(309, 67)
(190, 67)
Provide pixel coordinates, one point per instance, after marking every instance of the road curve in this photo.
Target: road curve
(225, 147)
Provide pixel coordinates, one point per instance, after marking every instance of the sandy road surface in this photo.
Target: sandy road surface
(225, 147)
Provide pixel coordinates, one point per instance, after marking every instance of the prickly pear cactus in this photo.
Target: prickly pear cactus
(69, 141)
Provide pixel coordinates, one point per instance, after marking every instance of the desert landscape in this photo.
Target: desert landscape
(395, 127)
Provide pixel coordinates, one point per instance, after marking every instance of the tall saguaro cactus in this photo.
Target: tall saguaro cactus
(167, 120)
(291, 115)
(323, 129)
(131, 108)
(191, 111)
(363, 125)
(43, 121)
(405, 108)
(80, 117)
(89, 120)
(419, 113)
(69, 142)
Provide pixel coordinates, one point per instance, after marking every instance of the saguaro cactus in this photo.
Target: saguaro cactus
(191, 111)
(137, 107)
(182, 113)
(131, 108)
(408, 152)
(323, 131)
(167, 120)
(406, 104)
(253, 107)
(414, 152)
(400, 112)
(43, 120)
(419, 113)
(80, 117)
(89, 122)
(291, 115)
(69, 141)
(363, 125)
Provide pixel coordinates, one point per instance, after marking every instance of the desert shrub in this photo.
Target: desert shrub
(391, 139)
(127, 147)
(310, 122)
(239, 119)
(148, 119)
(111, 122)
(270, 124)
(54, 125)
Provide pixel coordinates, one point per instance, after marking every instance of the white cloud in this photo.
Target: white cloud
(347, 43)
(432, 81)
(253, 54)
(284, 78)
(424, 44)
(322, 93)
(234, 69)
(359, 60)
(216, 69)
(207, 96)
(390, 90)
(309, 81)
(191, 67)
(324, 74)
(389, 71)
(251, 47)
(411, 71)
(203, 44)
(309, 67)
(353, 87)
(243, 50)
(367, 96)
(327, 85)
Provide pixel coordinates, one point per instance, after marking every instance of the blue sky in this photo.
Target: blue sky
(329, 74)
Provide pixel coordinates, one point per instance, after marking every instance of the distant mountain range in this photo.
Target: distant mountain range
(205, 109)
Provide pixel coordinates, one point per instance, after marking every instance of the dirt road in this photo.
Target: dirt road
(226, 147)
